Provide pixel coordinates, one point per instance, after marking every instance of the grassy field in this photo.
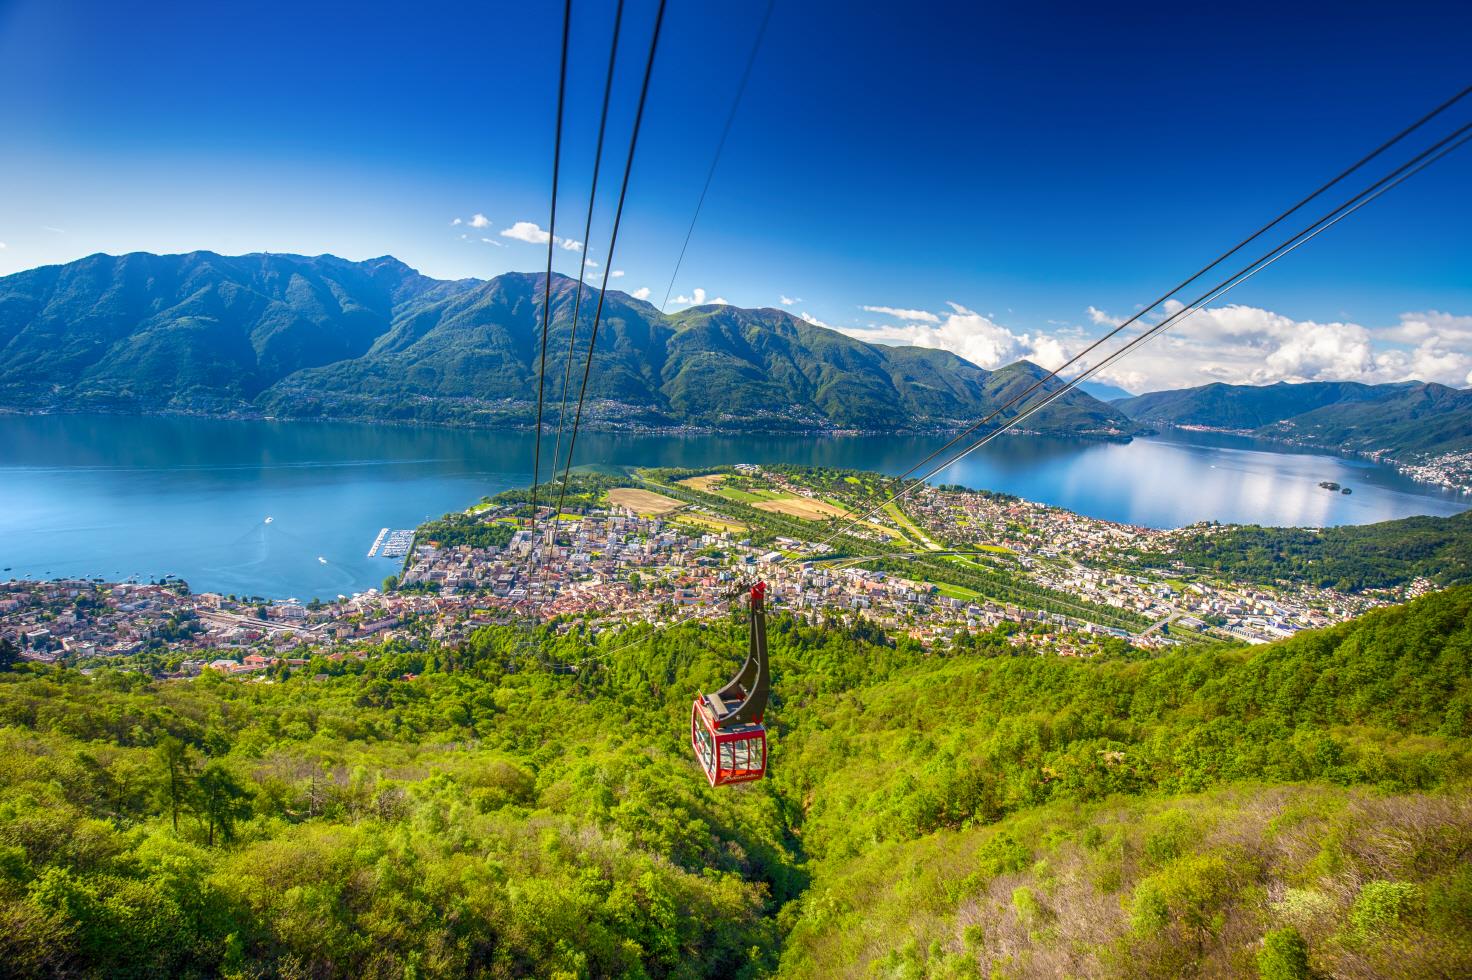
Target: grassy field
(958, 591)
(747, 496)
(903, 520)
(804, 507)
(643, 501)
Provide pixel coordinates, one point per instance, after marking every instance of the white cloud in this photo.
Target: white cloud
(616, 273)
(3, 245)
(641, 293)
(809, 318)
(1241, 344)
(457, 221)
(492, 241)
(922, 316)
(979, 339)
(720, 301)
(526, 231)
(535, 234)
(789, 300)
(1103, 319)
(696, 298)
(1442, 348)
(479, 220)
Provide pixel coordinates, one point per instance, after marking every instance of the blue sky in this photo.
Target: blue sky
(992, 172)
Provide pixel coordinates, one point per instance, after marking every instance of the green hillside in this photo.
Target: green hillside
(1225, 406)
(1350, 558)
(1408, 420)
(187, 331)
(292, 336)
(1290, 808)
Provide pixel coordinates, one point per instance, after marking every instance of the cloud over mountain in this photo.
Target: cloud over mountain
(1235, 343)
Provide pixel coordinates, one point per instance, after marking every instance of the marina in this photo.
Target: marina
(398, 544)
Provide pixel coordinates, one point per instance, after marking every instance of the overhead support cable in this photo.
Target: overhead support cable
(1417, 163)
(1441, 148)
(1143, 311)
(608, 259)
(756, 46)
(577, 305)
(551, 245)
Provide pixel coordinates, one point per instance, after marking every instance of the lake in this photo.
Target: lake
(122, 497)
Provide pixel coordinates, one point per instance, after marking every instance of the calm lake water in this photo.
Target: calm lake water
(122, 497)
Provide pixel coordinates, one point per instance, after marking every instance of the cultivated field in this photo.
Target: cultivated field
(804, 507)
(706, 522)
(643, 501)
(705, 483)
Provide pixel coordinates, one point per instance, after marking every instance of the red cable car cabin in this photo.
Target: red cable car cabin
(726, 728)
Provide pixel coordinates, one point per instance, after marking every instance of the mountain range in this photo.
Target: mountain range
(1408, 420)
(294, 336)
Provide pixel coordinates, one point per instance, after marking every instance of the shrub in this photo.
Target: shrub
(1284, 956)
(1185, 893)
(1380, 907)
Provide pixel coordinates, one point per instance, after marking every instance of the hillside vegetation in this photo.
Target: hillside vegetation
(293, 336)
(480, 811)
(1406, 420)
(1351, 558)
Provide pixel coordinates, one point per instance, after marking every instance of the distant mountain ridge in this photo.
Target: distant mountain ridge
(323, 337)
(1408, 420)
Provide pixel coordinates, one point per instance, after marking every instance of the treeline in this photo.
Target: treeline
(480, 810)
(1351, 558)
(1004, 587)
(583, 490)
(457, 529)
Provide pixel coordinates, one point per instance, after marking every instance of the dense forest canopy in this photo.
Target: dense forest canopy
(483, 811)
(1404, 420)
(1349, 558)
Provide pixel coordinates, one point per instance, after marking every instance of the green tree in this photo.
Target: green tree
(220, 800)
(9, 653)
(178, 767)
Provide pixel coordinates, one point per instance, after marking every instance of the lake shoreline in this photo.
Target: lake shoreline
(1425, 470)
(588, 425)
(141, 496)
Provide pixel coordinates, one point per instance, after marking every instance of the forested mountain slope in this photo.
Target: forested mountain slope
(1407, 420)
(199, 329)
(1226, 406)
(297, 336)
(1300, 806)
(1352, 557)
